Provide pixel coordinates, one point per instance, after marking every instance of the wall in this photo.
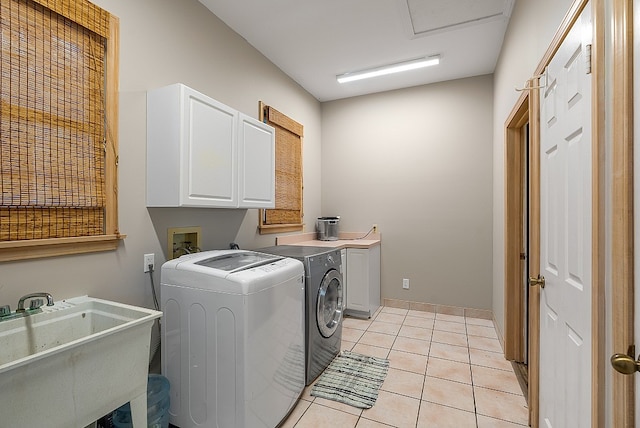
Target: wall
(163, 42)
(418, 163)
(531, 28)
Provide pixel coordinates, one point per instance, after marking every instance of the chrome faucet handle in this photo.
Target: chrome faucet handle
(5, 310)
(47, 296)
(36, 303)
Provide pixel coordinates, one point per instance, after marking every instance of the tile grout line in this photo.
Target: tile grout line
(426, 368)
(354, 345)
(424, 376)
(473, 389)
(303, 413)
(424, 382)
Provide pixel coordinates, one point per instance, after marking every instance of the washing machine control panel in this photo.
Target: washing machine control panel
(272, 267)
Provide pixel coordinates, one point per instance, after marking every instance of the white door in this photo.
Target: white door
(565, 233)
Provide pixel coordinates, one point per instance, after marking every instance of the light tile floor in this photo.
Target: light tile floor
(445, 371)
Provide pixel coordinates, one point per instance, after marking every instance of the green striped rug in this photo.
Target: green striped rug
(352, 379)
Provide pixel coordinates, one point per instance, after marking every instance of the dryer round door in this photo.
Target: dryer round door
(329, 308)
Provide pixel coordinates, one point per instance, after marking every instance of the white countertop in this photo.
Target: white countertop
(347, 240)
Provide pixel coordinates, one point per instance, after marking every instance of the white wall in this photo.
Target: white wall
(531, 28)
(163, 42)
(418, 163)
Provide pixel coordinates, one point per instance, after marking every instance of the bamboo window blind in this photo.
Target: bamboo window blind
(52, 123)
(288, 213)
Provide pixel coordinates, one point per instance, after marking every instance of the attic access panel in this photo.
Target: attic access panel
(434, 16)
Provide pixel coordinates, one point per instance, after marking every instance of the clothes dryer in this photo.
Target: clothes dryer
(324, 303)
(232, 338)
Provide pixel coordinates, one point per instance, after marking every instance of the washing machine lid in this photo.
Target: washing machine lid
(222, 263)
(237, 261)
(230, 271)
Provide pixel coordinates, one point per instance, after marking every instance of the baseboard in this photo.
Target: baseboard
(440, 309)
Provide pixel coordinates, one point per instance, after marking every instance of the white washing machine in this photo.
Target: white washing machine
(232, 338)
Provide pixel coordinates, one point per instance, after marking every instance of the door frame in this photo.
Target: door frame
(525, 110)
(622, 241)
(514, 346)
(513, 226)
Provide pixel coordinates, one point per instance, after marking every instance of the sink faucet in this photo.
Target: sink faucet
(21, 308)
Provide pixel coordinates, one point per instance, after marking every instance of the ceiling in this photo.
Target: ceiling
(313, 42)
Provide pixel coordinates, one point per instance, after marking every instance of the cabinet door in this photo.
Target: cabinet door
(343, 271)
(256, 163)
(209, 162)
(164, 132)
(358, 279)
(374, 278)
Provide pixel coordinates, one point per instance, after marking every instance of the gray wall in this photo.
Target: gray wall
(418, 162)
(163, 42)
(531, 29)
(407, 177)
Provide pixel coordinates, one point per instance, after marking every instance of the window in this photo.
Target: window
(58, 128)
(287, 215)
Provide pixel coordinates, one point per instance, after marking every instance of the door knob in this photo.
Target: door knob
(625, 364)
(537, 281)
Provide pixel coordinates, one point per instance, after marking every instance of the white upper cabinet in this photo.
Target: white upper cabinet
(202, 153)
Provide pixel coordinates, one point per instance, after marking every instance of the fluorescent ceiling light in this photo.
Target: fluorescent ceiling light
(389, 69)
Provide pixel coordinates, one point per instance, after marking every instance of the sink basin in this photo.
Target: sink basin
(75, 362)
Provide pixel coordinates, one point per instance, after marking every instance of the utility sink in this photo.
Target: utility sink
(74, 362)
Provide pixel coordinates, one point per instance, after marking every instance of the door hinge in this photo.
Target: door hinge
(523, 256)
(588, 58)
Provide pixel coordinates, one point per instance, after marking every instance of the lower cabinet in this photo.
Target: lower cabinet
(362, 281)
(343, 271)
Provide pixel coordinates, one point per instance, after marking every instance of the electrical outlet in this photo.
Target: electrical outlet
(405, 283)
(148, 261)
(375, 228)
